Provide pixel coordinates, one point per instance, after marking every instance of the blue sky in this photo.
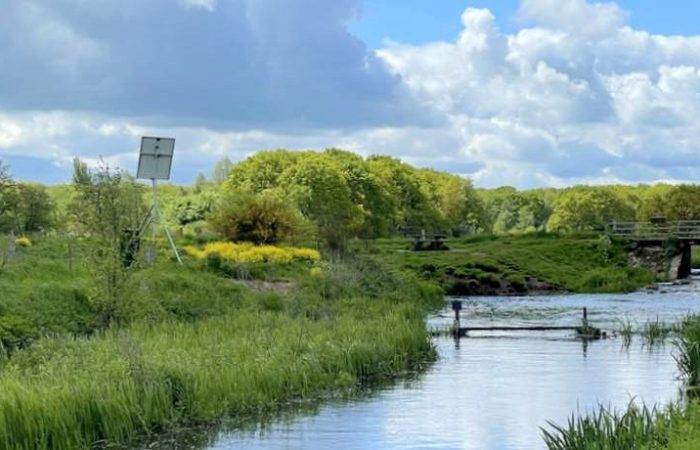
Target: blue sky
(419, 21)
(514, 92)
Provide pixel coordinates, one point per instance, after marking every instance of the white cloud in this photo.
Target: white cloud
(209, 5)
(576, 96)
(61, 47)
(590, 20)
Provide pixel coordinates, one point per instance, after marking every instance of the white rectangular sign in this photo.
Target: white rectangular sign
(156, 158)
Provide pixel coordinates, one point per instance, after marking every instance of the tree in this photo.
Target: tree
(193, 208)
(346, 196)
(653, 201)
(108, 205)
(8, 199)
(457, 202)
(369, 194)
(533, 214)
(414, 209)
(35, 208)
(264, 218)
(261, 171)
(587, 208)
(200, 183)
(322, 194)
(221, 171)
(683, 203)
(107, 202)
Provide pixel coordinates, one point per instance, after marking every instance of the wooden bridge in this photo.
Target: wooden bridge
(657, 230)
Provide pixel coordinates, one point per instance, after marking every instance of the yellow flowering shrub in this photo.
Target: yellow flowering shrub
(23, 241)
(249, 253)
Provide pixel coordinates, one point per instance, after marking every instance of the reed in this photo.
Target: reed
(193, 347)
(72, 393)
(655, 331)
(635, 428)
(674, 428)
(688, 357)
(626, 331)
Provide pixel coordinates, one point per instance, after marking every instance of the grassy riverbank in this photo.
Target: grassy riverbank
(675, 427)
(506, 265)
(191, 345)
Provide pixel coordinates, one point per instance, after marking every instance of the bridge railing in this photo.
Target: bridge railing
(681, 229)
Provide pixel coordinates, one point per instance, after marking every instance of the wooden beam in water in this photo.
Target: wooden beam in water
(586, 333)
(531, 328)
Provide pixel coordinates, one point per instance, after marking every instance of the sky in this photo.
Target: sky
(524, 93)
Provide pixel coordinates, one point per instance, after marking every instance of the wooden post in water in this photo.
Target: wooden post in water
(456, 307)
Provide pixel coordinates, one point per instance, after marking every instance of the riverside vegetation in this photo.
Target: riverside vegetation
(675, 427)
(189, 346)
(98, 348)
(520, 264)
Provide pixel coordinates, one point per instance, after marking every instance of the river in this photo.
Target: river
(493, 391)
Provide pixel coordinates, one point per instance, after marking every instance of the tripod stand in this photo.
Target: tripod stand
(155, 217)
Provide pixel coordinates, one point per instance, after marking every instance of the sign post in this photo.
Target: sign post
(155, 162)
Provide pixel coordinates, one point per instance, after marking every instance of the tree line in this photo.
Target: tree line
(330, 197)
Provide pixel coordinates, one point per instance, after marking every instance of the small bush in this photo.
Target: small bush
(271, 302)
(23, 241)
(249, 253)
(263, 218)
(213, 262)
(612, 279)
(16, 332)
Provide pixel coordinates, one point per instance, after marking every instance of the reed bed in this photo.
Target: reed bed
(74, 393)
(635, 428)
(652, 332)
(688, 357)
(641, 428)
(626, 331)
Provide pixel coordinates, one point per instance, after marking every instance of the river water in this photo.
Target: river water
(494, 390)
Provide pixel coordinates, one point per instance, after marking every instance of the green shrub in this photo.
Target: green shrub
(16, 332)
(263, 218)
(612, 279)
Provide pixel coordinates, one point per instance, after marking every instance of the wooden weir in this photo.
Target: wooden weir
(584, 331)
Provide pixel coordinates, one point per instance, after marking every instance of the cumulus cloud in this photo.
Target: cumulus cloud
(574, 95)
(235, 64)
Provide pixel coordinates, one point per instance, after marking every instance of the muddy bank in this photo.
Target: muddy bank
(500, 287)
(476, 279)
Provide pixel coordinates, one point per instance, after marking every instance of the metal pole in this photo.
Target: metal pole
(170, 239)
(159, 216)
(153, 250)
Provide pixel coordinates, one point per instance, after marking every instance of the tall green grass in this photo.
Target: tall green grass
(192, 346)
(636, 428)
(47, 289)
(71, 393)
(688, 357)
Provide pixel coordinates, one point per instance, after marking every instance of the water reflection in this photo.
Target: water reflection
(492, 391)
